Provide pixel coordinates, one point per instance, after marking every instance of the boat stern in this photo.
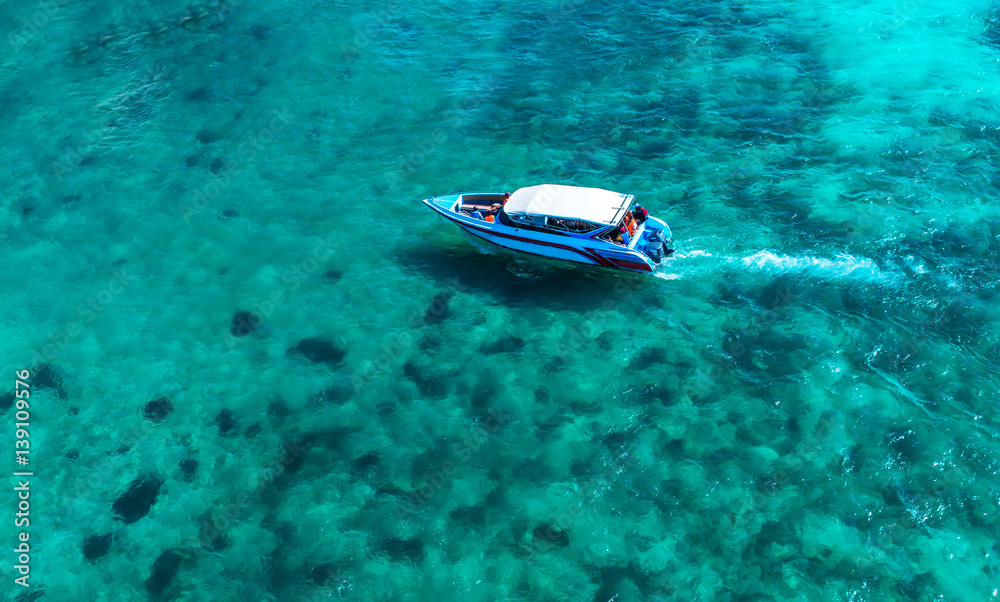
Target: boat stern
(653, 239)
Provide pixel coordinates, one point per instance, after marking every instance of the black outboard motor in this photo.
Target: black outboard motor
(656, 249)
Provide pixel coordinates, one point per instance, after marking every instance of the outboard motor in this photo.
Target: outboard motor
(655, 248)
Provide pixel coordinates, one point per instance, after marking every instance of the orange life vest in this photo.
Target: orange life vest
(630, 224)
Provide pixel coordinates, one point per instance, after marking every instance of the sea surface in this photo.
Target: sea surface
(263, 370)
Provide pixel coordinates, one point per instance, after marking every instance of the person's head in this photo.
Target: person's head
(495, 207)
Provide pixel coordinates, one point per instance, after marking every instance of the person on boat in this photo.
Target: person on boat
(630, 225)
(619, 236)
(623, 235)
(640, 214)
(489, 216)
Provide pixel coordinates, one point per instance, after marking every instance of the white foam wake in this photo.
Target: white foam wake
(838, 267)
(679, 264)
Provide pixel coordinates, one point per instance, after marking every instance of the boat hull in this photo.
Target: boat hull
(586, 249)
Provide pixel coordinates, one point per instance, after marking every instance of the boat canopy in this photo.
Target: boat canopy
(569, 202)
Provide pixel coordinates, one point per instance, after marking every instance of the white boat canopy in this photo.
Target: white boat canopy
(568, 202)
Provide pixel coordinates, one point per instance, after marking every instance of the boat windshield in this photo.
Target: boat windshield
(483, 206)
(569, 225)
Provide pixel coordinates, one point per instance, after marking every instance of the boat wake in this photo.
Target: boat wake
(840, 267)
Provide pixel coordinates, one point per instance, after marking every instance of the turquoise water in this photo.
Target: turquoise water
(800, 404)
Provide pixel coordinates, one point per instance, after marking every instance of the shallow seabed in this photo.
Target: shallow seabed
(800, 404)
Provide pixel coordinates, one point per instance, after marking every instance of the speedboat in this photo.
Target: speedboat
(586, 225)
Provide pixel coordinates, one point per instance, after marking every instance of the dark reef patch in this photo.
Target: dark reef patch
(401, 550)
(199, 95)
(225, 421)
(648, 358)
(278, 411)
(611, 577)
(96, 546)
(259, 33)
(318, 351)
(616, 439)
(430, 385)
(46, 376)
(470, 516)
(158, 409)
(325, 573)
(188, 468)
(903, 442)
(137, 501)
(244, 323)
(365, 462)
(483, 393)
(655, 393)
(206, 136)
(28, 207)
(252, 431)
(438, 309)
(544, 532)
(293, 452)
(430, 343)
(508, 344)
(164, 570)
